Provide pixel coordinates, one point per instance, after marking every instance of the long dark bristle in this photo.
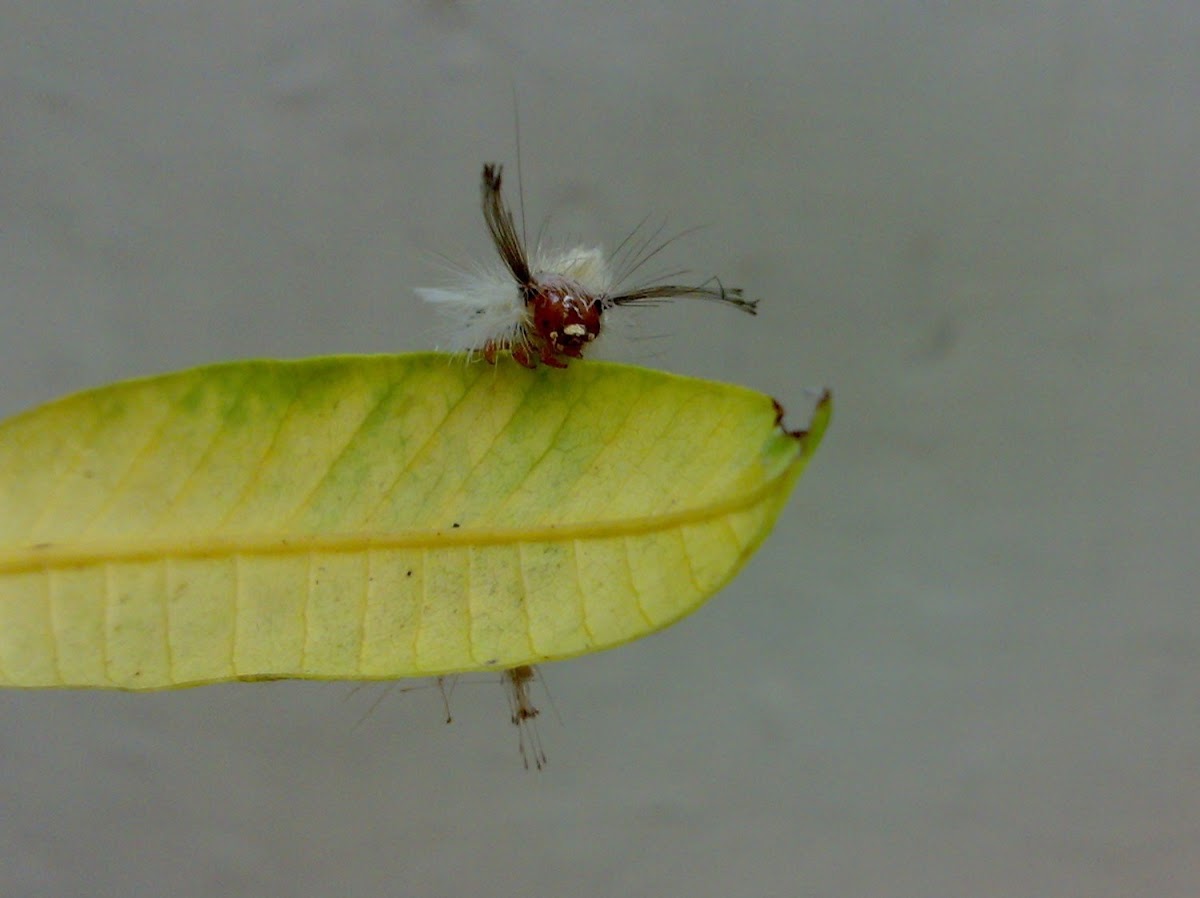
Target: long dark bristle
(731, 296)
(501, 226)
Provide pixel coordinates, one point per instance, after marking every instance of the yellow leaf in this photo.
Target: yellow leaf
(373, 517)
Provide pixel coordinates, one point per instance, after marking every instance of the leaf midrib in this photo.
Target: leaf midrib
(50, 556)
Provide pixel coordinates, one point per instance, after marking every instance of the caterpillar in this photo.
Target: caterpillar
(549, 306)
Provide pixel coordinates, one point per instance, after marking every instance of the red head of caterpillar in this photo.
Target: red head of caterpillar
(549, 306)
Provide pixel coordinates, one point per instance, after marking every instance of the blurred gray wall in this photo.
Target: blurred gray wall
(968, 660)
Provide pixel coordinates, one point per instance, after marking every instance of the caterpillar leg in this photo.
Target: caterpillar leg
(550, 357)
(520, 355)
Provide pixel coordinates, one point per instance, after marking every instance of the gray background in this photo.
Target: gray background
(966, 663)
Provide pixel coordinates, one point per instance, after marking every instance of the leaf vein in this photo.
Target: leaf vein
(583, 611)
(305, 600)
(214, 442)
(105, 647)
(412, 458)
(514, 416)
(238, 586)
(633, 587)
(524, 599)
(52, 630)
(383, 397)
(419, 616)
(166, 616)
(687, 560)
(257, 469)
(364, 609)
(135, 462)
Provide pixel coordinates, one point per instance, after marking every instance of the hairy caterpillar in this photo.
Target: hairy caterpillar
(548, 306)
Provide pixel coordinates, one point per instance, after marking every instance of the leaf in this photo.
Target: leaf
(373, 517)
